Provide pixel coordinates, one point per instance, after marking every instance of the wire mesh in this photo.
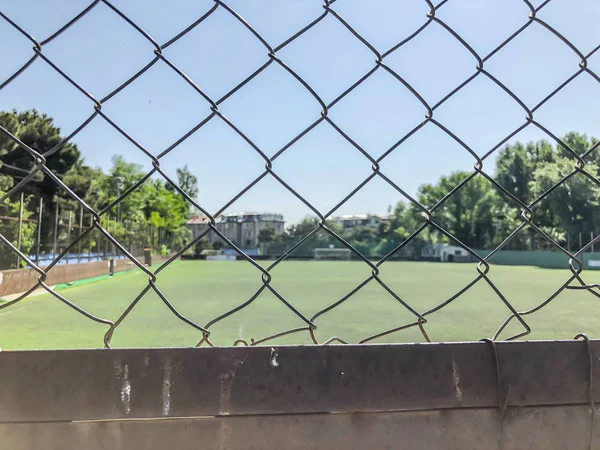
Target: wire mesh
(99, 219)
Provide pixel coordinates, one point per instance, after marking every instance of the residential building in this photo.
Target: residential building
(198, 225)
(363, 220)
(445, 253)
(242, 229)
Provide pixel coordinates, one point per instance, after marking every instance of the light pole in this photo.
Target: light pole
(119, 186)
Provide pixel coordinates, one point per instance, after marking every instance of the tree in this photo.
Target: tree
(321, 239)
(187, 182)
(400, 225)
(38, 132)
(469, 214)
(80, 179)
(364, 239)
(573, 205)
(9, 228)
(517, 163)
(161, 213)
(202, 244)
(265, 237)
(527, 171)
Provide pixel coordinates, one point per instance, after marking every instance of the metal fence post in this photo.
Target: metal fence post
(91, 238)
(592, 240)
(105, 239)
(69, 235)
(128, 234)
(114, 234)
(55, 246)
(20, 228)
(79, 234)
(39, 231)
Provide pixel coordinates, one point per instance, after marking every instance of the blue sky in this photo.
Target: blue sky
(102, 50)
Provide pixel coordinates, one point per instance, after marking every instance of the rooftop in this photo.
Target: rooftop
(361, 216)
(198, 220)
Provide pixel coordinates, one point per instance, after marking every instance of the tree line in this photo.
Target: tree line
(478, 213)
(155, 214)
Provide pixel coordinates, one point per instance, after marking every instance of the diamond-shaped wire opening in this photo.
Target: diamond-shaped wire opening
(152, 289)
(378, 112)
(376, 198)
(405, 164)
(266, 195)
(477, 311)
(151, 320)
(447, 65)
(405, 235)
(101, 153)
(163, 20)
(309, 166)
(142, 108)
(340, 61)
(481, 114)
(483, 270)
(212, 154)
(576, 20)
(533, 64)
(151, 192)
(17, 54)
(517, 160)
(212, 290)
(547, 290)
(403, 277)
(291, 17)
(319, 292)
(103, 40)
(49, 323)
(395, 21)
(29, 91)
(563, 316)
(264, 317)
(233, 54)
(356, 318)
(44, 281)
(466, 216)
(487, 25)
(562, 195)
(577, 101)
(47, 17)
(273, 109)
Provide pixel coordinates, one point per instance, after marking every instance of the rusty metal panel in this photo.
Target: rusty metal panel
(141, 383)
(548, 428)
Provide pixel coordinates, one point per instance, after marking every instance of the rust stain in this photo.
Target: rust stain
(224, 435)
(226, 385)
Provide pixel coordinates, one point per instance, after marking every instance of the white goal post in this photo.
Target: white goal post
(341, 254)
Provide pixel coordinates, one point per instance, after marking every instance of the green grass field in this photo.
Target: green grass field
(203, 290)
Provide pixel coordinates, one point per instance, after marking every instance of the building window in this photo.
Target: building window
(457, 252)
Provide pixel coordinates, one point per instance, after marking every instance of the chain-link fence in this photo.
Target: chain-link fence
(72, 233)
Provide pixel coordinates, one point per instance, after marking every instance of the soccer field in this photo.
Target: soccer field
(204, 290)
